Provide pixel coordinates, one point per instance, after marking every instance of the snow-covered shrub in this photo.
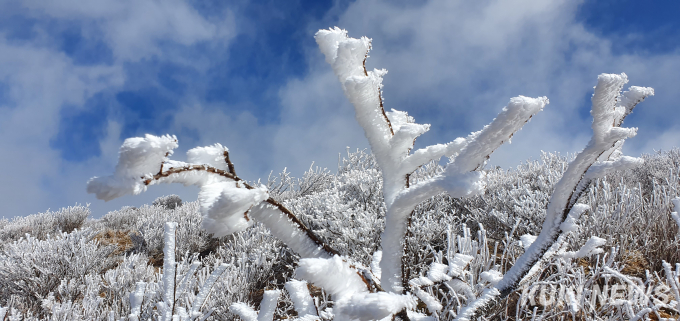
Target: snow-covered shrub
(256, 260)
(261, 262)
(660, 169)
(62, 264)
(674, 215)
(623, 215)
(349, 211)
(169, 201)
(392, 136)
(623, 210)
(285, 187)
(178, 293)
(147, 222)
(40, 225)
(518, 195)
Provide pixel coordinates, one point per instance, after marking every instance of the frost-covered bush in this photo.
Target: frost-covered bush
(349, 211)
(632, 218)
(170, 202)
(518, 195)
(257, 261)
(601, 156)
(285, 187)
(40, 225)
(623, 209)
(147, 222)
(660, 169)
(62, 264)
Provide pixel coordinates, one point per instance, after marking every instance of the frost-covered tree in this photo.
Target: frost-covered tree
(228, 204)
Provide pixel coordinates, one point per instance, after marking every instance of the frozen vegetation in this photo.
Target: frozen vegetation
(390, 235)
(92, 270)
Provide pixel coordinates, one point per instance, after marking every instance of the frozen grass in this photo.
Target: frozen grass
(40, 225)
(90, 269)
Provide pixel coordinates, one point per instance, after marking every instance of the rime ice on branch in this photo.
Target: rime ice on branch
(602, 155)
(391, 136)
(227, 203)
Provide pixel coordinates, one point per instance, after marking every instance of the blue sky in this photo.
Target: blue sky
(77, 78)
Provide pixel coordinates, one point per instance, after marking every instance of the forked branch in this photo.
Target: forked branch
(391, 136)
(609, 109)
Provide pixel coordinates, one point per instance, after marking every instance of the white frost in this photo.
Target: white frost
(334, 275)
(203, 293)
(244, 311)
(607, 116)
(209, 155)
(491, 276)
(437, 272)
(136, 300)
(268, 305)
(420, 281)
(372, 306)
(459, 263)
(602, 168)
(511, 119)
(571, 223)
(375, 264)
(137, 157)
(224, 206)
(299, 294)
(591, 247)
(227, 204)
(415, 316)
(526, 240)
(169, 263)
(469, 310)
(391, 136)
(432, 304)
(572, 301)
(283, 228)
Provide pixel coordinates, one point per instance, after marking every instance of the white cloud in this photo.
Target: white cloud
(39, 82)
(136, 29)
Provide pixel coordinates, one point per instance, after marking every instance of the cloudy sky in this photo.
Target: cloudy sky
(78, 77)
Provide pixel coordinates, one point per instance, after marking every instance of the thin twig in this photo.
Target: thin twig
(230, 165)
